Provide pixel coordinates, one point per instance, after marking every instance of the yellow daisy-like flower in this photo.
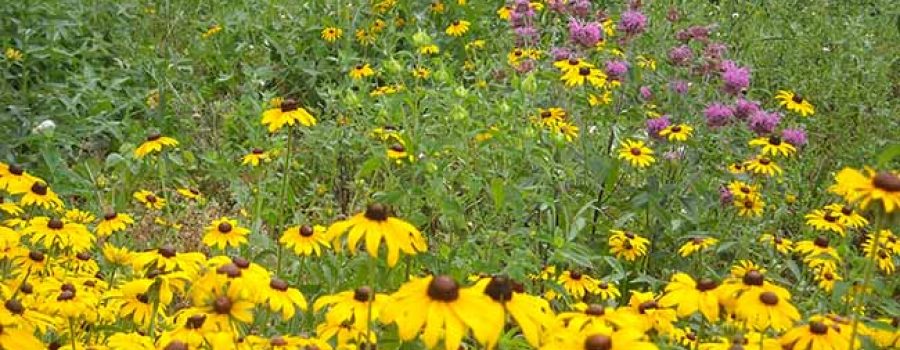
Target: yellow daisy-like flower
(627, 245)
(678, 132)
(825, 220)
(429, 49)
(13, 54)
(532, 314)
(225, 306)
(572, 65)
(41, 195)
(736, 168)
(113, 222)
(696, 244)
(421, 73)
(651, 315)
(636, 153)
(567, 130)
(154, 143)
(847, 216)
(213, 30)
(599, 337)
(795, 103)
(131, 300)
(377, 225)
(352, 306)
(458, 28)
(289, 113)
(80, 216)
(190, 193)
(116, 255)
(774, 146)
(255, 157)
(504, 12)
(361, 70)
(868, 186)
(689, 296)
(306, 240)
(332, 34)
(577, 284)
(765, 308)
(14, 179)
(578, 77)
(150, 200)
(281, 298)
(11, 209)
(750, 206)
(399, 153)
(763, 166)
(129, 341)
(437, 307)
(13, 336)
(817, 335)
(606, 291)
(826, 278)
(646, 62)
(600, 100)
(780, 244)
(224, 233)
(742, 190)
(364, 37)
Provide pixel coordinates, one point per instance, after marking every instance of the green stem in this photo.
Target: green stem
(283, 204)
(369, 332)
(72, 333)
(867, 278)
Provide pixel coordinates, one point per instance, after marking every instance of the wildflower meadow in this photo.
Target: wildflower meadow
(449, 174)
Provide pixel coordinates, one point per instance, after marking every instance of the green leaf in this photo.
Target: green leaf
(888, 155)
(498, 193)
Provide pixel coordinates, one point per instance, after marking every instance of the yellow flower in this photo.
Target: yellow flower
(750, 206)
(678, 132)
(437, 307)
(213, 30)
(284, 299)
(190, 193)
(600, 100)
(365, 38)
(352, 306)
(129, 341)
(154, 143)
(255, 157)
(795, 103)
(696, 244)
(774, 146)
(289, 113)
(689, 296)
(763, 166)
(765, 308)
(868, 186)
(636, 153)
(736, 168)
(421, 73)
(225, 304)
(816, 335)
(430, 49)
(13, 336)
(504, 12)
(361, 71)
(224, 233)
(399, 153)
(577, 284)
(131, 299)
(377, 225)
(825, 220)
(332, 34)
(567, 130)
(150, 200)
(571, 65)
(41, 195)
(458, 28)
(578, 77)
(13, 54)
(646, 62)
(80, 216)
(599, 337)
(627, 244)
(306, 240)
(847, 216)
(532, 314)
(782, 245)
(116, 255)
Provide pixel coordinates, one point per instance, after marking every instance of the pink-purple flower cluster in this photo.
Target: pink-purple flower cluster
(586, 34)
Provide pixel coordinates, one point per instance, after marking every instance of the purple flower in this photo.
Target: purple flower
(744, 108)
(725, 196)
(718, 115)
(527, 35)
(580, 8)
(616, 69)
(633, 22)
(715, 51)
(557, 5)
(763, 122)
(672, 15)
(700, 33)
(586, 34)
(560, 53)
(735, 78)
(646, 93)
(525, 66)
(796, 137)
(655, 125)
(681, 55)
(679, 86)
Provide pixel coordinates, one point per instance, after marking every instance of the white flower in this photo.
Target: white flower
(45, 127)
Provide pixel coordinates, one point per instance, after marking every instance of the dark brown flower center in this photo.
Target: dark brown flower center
(288, 105)
(847, 211)
(774, 140)
(167, 251)
(595, 310)
(55, 224)
(143, 298)
(648, 305)
(398, 148)
(225, 227)
(575, 275)
(257, 151)
(706, 284)
(150, 198)
(14, 306)
(635, 151)
(753, 278)
(278, 341)
(230, 269)
(16, 170)
(797, 98)
(65, 295)
(603, 285)
(777, 240)
(500, 288)
(697, 240)
(39, 188)
(887, 182)
(36, 256)
(222, 305)
(176, 345)
(627, 245)
(67, 286)
(363, 294)
(764, 161)
(584, 71)
(830, 217)
(629, 235)
(546, 114)
(83, 256)
(195, 322)
(574, 62)
(443, 288)
(456, 22)
(816, 327)
(376, 212)
(154, 136)
(598, 342)
(306, 231)
(26, 288)
(828, 276)
(821, 242)
(676, 128)
(110, 216)
(769, 298)
(278, 284)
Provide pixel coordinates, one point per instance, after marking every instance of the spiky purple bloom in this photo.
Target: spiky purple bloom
(580, 8)
(558, 6)
(763, 122)
(616, 69)
(744, 108)
(725, 196)
(633, 22)
(734, 77)
(560, 53)
(527, 35)
(681, 55)
(646, 93)
(655, 125)
(795, 136)
(525, 66)
(585, 34)
(715, 51)
(679, 86)
(718, 115)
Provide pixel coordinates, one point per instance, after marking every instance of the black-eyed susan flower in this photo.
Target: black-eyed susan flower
(627, 245)
(12, 336)
(79, 216)
(256, 157)
(866, 186)
(572, 65)
(56, 233)
(167, 259)
(458, 27)
(577, 284)
(347, 335)
(14, 179)
(437, 307)
(636, 153)
(13, 54)
(588, 315)
(429, 49)
(816, 335)
(364, 37)
(332, 34)
(696, 244)
(826, 278)
(825, 220)
(358, 307)
(689, 296)
(133, 301)
(224, 232)
(114, 255)
(225, 304)
(73, 303)
(40, 194)
(606, 291)
(150, 200)
(847, 216)
(773, 146)
(594, 76)
(750, 206)
(598, 337)
(795, 103)
(566, 130)
(153, 144)
(532, 314)
(817, 247)
(113, 222)
(651, 315)
(882, 254)
(762, 165)
(377, 225)
(747, 340)
(33, 262)
(780, 244)
(129, 341)
(306, 240)
(283, 299)
(190, 193)
(736, 168)
(602, 99)
(421, 73)
(191, 330)
(361, 70)
(289, 113)
(763, 308)
(677, 132)
(742, 190)
(10, 208)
